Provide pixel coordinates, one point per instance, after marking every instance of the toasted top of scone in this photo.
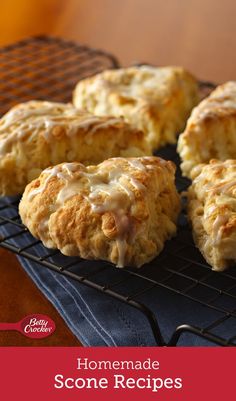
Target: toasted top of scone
(142, 84)
(155, 99)
(219, 104)
(51, 121)
(37, 134)
(216, 178)
(121, 210)
(212, 211)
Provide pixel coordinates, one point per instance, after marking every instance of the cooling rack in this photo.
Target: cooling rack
(44, 67)
(48, 68)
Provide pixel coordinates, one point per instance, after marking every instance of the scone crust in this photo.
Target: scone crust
(212, 211)
(211, 129)
(37, 134)
(156, 100)
(121, 211)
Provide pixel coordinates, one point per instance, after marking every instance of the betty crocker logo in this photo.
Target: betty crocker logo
(33, 326)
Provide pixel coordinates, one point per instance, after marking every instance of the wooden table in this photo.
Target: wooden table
(198, 34)
(19, 297)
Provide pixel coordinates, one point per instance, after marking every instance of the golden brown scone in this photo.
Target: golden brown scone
(156, 100)
(37, 134)
(211, 129)
(121, 210)
(212, 211)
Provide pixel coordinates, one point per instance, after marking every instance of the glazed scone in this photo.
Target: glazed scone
(212, 211)
(156, 100)
(122, 210)
(211, 129)
(37, 134)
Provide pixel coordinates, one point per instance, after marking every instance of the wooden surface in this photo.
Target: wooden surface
(198, 34)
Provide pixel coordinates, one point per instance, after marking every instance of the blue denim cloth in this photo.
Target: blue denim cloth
(99, 320)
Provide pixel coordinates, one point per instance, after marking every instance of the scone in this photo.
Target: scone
(211, 129)
(156, 100)
(212, 212)
(37, 134)
(121, 210)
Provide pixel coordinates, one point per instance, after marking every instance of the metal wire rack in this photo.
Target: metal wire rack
(48, 68)
(44, 67)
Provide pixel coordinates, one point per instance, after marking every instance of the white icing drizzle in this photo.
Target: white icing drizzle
(136, 163)
(207, 183)
(28, 119)
(210, 211)
(53, 173)
(223, 187)
(217, 225)
(122, 247)
(119, 187)
(216, 185)
(132, 83)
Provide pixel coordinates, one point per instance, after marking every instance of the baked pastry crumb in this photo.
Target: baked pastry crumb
(211, 129)
(122, 210)
(37, 134)
(212, 212)
(157, 100)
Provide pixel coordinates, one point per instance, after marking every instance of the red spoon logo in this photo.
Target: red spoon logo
(33, 326)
